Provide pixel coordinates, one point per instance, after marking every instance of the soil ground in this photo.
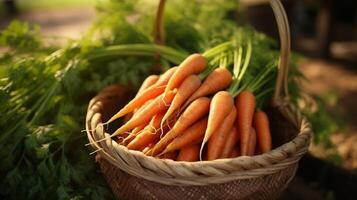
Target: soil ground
(57, 26)
(340, 79)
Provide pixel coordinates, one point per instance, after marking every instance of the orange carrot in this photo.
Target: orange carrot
(150, 93)
(160, 104)
(252, 142)
(146, 149)
(186, 89)
(170, 155)
(189, 153)
(257, 149)
(245, 104)
(261, 124)
(165, 77)
(136, 130)
(139, 109)
(193, 64)
(149, 81)
(151, 135)
(235, 153)
(218, 139)
(221, 106)
(149, 152)
(217, 80)
(133, 134)
(194, 112)
(193, 135)
(231, 142)
(138, 101)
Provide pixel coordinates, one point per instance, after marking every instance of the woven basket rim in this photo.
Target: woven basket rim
(201, 172)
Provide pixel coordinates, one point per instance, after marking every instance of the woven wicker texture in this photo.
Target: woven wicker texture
(132, 175)
(125, 186)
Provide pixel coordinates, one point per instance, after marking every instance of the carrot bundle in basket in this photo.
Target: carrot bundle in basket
(192, 105)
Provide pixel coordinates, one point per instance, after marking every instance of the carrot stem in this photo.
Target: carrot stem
(246, 60)
(209, 54)
(235, 85)
(238, 59)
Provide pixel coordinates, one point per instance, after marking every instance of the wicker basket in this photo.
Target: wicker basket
(132, 175)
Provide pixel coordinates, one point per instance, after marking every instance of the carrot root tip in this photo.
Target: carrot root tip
(201, 151)
(161, 129)
(165, 103)
(93, 152)
(98, 126)
(160, 154)
(101, 140)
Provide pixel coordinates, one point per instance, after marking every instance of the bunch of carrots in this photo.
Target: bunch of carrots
(196, 112)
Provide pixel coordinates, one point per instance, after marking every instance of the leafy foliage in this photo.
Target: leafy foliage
(40, 125)
(21, 36)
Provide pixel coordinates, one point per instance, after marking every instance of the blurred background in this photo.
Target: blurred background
(324, 32)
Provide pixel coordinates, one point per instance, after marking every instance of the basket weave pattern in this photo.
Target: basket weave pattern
(125, 186)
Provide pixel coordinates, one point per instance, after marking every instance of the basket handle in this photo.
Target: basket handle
(159, 34)
(281, 93)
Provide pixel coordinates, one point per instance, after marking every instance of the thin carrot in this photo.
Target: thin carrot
(151, 135)
(192, 135)
(165, 77)
(149, 81)
(186, 89)
(170, 155)
(159, 104)
(150, 93)
(245, 104)
(189, 153)
(231, 142)
(146, 149)
(139, 109)
(261, 124)
(133, 134)
(252, 142)
(149, 152)
(193, 64)
(221, 106)
(235, 153)
(138, 101)
(218, 139)
(257, 149)
(195, 111)
(136, 130)
(153, 129)
(217, 80)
